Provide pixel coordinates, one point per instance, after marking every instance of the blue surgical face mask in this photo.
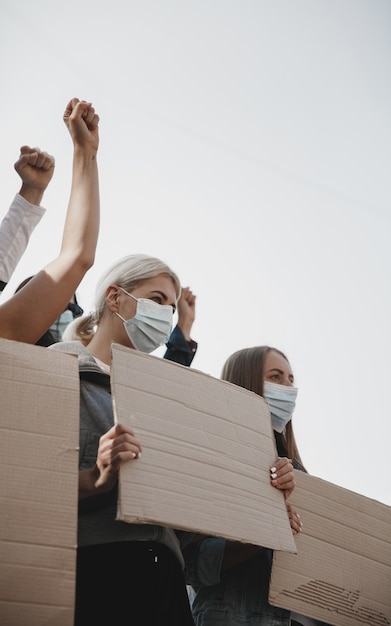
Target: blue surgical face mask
(281, 400)
(58, 327)
(151, 326)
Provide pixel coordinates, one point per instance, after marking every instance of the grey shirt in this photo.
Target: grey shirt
(97, 522)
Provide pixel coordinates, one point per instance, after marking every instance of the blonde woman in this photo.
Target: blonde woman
(126, 573)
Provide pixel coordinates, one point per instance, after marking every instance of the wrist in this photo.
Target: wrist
(186, 327)
(31, 194)
(84, 152)
(84, 160)
(88, 479)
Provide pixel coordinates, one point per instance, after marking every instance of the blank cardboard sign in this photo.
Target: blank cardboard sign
(39, 441)
(207, 450)
(341, 573)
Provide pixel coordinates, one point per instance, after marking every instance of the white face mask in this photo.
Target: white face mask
(281, 400)
(151, 326)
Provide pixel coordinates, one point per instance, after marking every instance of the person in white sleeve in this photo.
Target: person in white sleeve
(35, 168)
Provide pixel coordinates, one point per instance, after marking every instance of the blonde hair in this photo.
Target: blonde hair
(127, 272)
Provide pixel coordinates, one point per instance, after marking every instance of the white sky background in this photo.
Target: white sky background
(248, 144)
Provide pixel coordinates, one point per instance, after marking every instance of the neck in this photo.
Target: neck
(100, 344)
(110, 329)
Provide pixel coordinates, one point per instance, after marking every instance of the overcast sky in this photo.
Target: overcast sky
(248, 144)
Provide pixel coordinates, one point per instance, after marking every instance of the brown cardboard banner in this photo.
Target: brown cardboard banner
(342, 571)
(208, 447)
(207, 450)
(39, 442)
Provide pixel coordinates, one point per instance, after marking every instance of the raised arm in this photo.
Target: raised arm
(35, 169)
(181, 348)
(29, 313)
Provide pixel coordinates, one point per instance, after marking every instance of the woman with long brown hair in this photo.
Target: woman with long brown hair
(229, 581)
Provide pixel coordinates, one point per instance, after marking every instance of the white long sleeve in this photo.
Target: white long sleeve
(15, 231)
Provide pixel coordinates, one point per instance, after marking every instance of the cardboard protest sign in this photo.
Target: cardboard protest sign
(208, 446)
(39, 442)
(341, 573)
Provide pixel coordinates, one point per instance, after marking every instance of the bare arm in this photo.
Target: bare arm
(31, 311)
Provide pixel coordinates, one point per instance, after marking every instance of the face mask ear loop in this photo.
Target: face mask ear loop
(120, 316)
(128, 294)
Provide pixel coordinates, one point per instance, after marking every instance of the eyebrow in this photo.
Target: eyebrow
(163, 296)
(277, 369)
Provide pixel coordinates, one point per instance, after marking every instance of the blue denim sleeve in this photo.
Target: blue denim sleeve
(203, 562)
(184, 537)
(180, 350)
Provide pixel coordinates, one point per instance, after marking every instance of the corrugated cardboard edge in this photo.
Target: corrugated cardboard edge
(342, 571)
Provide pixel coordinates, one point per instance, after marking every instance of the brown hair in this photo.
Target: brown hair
(245, 368)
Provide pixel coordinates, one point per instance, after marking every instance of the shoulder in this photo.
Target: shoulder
(89, 371)
(86, 360)
(71, 347)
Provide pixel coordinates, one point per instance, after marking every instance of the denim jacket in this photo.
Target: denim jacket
(179, 349)
(238, 596)
(234, 598)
